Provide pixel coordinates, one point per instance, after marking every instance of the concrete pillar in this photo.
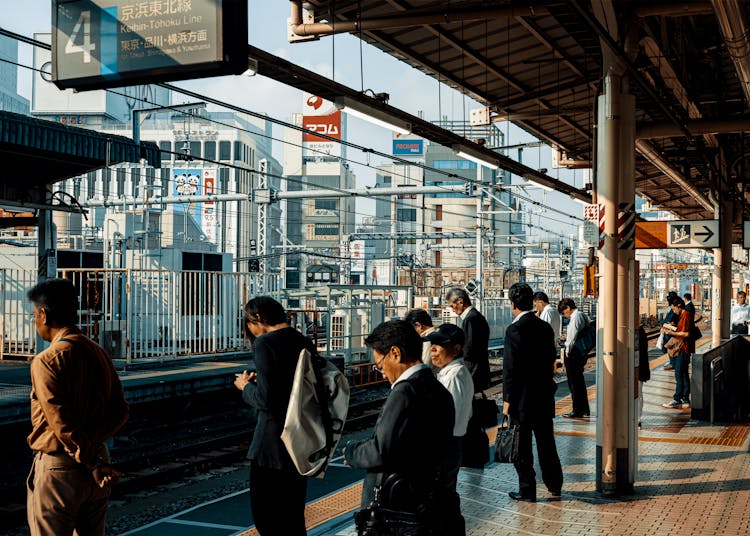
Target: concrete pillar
(608, 173)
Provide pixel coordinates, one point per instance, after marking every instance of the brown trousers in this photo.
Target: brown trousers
(62, 498)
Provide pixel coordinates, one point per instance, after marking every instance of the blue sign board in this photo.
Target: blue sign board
(408, 147)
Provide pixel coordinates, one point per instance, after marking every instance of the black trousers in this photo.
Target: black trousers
(277, 499)
(574, 363)
(549, 461)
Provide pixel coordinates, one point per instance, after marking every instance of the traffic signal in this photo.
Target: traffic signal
(253, 264)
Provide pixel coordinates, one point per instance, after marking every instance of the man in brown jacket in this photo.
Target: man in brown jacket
(77, 404)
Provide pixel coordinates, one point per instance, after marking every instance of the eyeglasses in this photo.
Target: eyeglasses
(379, 362)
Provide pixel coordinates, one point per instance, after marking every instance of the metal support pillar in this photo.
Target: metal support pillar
(46, 256)
(626, 433)
(262, 219)
(607, 195)
(721, 285)
(479, 260)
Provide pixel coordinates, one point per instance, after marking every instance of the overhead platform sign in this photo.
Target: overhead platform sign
(98, 44)
(677, 234)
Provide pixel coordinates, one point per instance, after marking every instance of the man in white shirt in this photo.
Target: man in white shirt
(574, 361)
(446, 343)
(548, 312)
(421, 321)
(740, 314)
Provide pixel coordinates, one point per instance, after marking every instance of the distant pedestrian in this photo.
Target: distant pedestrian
(277, 490)
(574, 359)
(740, 314)
(644, 369)
(477, 333)
(77, 404)
(681, 398)
(406, 457)
(689, 305)
(548, 312)
(529, 393)
(421, 321)
(669, 320)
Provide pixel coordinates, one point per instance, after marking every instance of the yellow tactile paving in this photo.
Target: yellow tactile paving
(326, 508)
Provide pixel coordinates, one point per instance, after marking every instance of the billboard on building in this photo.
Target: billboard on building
(407, 145)
(187, 183)
(320, 115)
(357, 254)
(208, 216)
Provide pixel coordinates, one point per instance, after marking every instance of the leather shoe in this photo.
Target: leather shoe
(574, 415)
(518, 497)
(555, 492)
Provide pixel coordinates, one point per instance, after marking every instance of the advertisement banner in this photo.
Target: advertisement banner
(320, 115)
(208, 216)
(357, 253)
(402, 147)
(187, 183)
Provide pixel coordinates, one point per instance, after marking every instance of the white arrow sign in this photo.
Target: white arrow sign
(693, 234)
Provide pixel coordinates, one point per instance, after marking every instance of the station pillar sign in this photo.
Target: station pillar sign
(97, 44)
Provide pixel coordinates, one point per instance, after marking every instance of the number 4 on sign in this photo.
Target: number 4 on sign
(87, 47)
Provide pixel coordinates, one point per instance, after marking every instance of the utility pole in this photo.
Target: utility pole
(262, 215)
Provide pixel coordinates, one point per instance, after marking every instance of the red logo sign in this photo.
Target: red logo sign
(330, 125)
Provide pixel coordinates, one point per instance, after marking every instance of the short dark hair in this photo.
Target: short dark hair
(671, 296)
(541, 296)
(58, 298)
(418, 315)
(455, 293)
(742, 292)
(678, 302)
(687, 296)
(521, 296)
(265, 309)
(565, 302)
(396, 333)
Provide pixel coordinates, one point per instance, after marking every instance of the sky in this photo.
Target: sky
(409, 90)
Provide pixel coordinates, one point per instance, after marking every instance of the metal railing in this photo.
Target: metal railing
(141, 314)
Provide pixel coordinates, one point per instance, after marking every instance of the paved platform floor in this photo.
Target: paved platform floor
(693, 479)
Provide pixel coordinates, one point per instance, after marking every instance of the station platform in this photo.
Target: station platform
(693, 478)
(169, 380)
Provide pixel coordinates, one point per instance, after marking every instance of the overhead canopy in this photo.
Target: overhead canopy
(37, 153)
(539, 64)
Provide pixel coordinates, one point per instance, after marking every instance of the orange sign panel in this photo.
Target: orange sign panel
(650, 235)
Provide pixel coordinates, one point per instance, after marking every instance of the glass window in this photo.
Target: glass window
(77, 187)
(406, 214)
(225, 150)
(106, 177)
(438, 212)
(437, 259)
(209, 149)
(195, 149)
(439, 230)
(223, 180)
(90, 184)
(166, 150)
(135, 181)
(326, 229)
(326, 204)
(238, 150)
(387, 179)
(120, 182)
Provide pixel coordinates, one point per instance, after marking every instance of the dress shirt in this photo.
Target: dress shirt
(77, 401)
(577, 322)
(550, 315)
(740, 314)
(518, 317)
(426, 345)
(408, 372)
(457, 379)
(466, 312)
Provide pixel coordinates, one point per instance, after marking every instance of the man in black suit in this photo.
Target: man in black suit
(413, 433)
(689, 305)
(477, 332)
(529, 393)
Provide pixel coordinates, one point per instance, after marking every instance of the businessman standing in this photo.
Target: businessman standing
(529, 393)
(477, 332)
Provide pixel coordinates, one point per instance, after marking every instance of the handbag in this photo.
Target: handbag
(695, 333)
(394, 510)
(673, 346)
(507, 442)
(660, 342)
(484, 411)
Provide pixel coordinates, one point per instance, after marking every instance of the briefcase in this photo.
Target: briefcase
(507, 442)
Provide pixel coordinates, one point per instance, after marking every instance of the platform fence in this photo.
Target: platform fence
(141, 314)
